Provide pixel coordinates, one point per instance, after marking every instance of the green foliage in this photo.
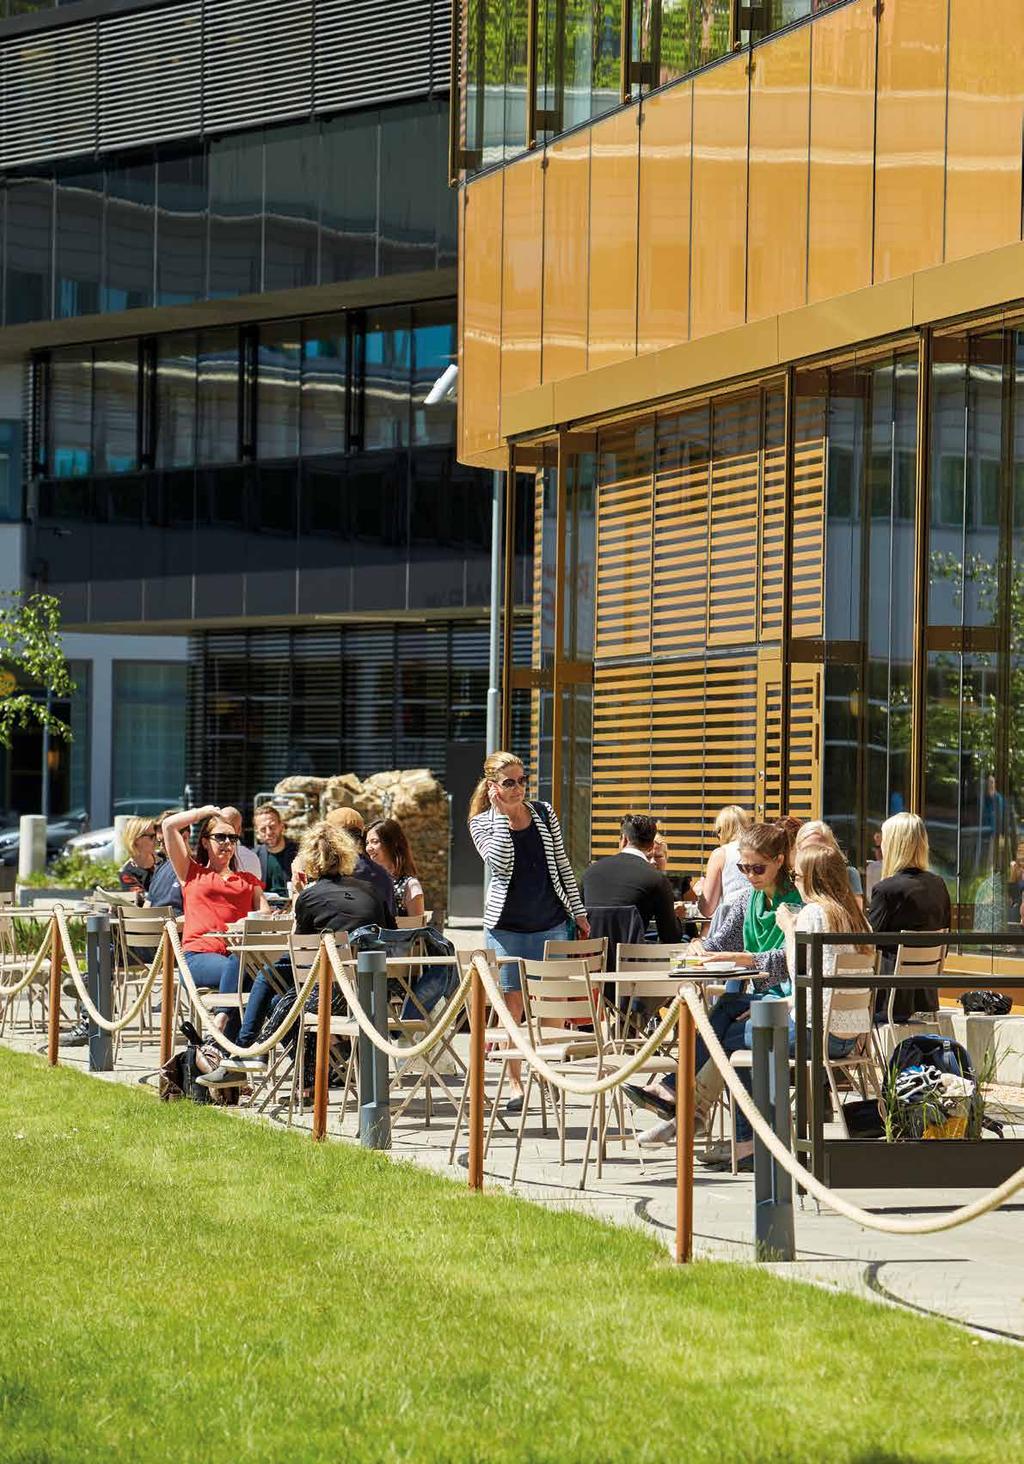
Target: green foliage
(77, 871)
(31, 650)
(177, 1284)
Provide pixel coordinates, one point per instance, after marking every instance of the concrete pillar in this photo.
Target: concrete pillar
(31, 845)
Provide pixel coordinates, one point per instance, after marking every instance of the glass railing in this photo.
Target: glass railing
(531, 69)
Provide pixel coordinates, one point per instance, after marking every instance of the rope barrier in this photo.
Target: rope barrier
(392, 1049)
(41, 955)
(259, 1049)
(814, 1186)
(95, 1015)
(550, 1074)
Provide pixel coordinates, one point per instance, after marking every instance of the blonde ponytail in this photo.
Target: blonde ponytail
(495, 764)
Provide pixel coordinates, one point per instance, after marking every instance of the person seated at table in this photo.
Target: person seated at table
(387, 846)
(164, 887)
(630, 878)
(722, 884)
(749, 936)
(817, 834)
(215, 893)
(351, 821)
(136, 872)
(909, 896)
(274, 852)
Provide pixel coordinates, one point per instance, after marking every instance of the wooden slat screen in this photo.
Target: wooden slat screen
(678, 769)
(735, 484)
(773, 515)
(809, 428)
(730, 736)
(680, 576)
(622, 751)
(624, 513)
(804, 742)
(769, 738)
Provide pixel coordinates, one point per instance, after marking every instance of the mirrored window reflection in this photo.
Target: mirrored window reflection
(181, 227)
(115, 407)
(387, 379)
(411, 170)
(277, 413)
(79, 251)
(27, 278)
(324, 386)
(349, 217)
(218, 388)
(176, 401)
(236, 206)
(130, 234)
(435, 352)
(70, 444)
(291, 206)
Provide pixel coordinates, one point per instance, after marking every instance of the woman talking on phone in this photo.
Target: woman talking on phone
(532, 896)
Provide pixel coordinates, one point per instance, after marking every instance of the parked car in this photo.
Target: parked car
(97, 844)
(58, 832)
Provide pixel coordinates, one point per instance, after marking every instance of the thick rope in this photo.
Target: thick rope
(393, 1049)
(95, 1015)
(259, 1049)
(821, 1192)
(552, 1075)
(41, 955)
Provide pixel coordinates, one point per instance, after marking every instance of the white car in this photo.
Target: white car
(97, 845)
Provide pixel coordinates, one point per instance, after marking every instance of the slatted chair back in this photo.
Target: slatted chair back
(414, 922)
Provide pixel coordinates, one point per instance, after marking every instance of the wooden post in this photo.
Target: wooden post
(166, 1000)
(56, 971)
(323, 1045)
(477, 1021)
(685, 1103)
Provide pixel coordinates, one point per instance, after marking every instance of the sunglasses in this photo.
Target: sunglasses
(148, 834)
(224, 838)
(751, 868)
(512, 783)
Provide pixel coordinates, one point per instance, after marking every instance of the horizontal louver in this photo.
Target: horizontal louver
(622, 750)
(735, 485)
(808, 516)
(624, 537)
(677, 760)
(212, 65)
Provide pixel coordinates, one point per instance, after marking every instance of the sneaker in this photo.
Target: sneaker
(222, 1077)
(79, 1034)
(256, 1065)
(661, 1133)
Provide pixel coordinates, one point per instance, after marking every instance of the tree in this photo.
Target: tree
(31, 654)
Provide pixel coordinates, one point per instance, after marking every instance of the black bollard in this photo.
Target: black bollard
(774, 1238)
(98, 981)
(374, 1105)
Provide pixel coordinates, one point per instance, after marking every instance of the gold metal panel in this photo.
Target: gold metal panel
(981, 282)
(863, 315)
(777, 206)
(842, 151)
(910, 137)
(719, 227)
(663, 304)
(986, 108)
(522, 269)
(480, 358)
(566, 230)
(614, 170)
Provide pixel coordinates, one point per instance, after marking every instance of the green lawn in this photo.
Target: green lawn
(176, 1285)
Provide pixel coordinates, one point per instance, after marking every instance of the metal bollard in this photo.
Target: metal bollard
(99, 981)
(774, 1238)
(374, 1106)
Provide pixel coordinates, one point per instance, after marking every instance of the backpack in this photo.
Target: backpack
(931, 1090)
(987, 1003)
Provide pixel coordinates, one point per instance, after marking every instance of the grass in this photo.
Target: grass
(177, 1285)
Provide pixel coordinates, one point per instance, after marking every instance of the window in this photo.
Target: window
(435, 350)
(130, 234)
(349, 233)
(324, 390)
(115, 405)
(236, 206)
(70, 447)
(181, 227)
(176, 401)
(277, 413)
(291, 229)
(29, 238)
(412, 169)
(218, 396)
(149, 734)
(11, 497)
(387, 379)
(79, 242)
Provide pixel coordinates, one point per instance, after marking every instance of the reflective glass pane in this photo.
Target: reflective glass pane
(607, 42)
(580, 552)
(115, 399)
(324, 385)
(412, 180)
(149, 734)
(236, 207)
(486, 67)
(291, 227)
(349, 217)
(130, 235)
(176, 401)
(182, 200)
(218, 396)
(79, 242)
(70, 447)
(577, 62)
(387, 379)
(435, 351)
(277, 413)
(27, 278)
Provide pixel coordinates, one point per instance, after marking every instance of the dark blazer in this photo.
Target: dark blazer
(382, 882)
(914, 899)
(624, 879)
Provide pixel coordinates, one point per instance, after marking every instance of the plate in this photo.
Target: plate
(716, 968)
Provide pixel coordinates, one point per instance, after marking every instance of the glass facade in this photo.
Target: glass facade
(149, 735)
(358, 195)
(585, 67)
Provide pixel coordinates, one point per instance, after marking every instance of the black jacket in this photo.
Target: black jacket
(624, 879)
(377, 875)
(914, 899)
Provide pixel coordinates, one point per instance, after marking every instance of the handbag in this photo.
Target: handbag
(986, 1003)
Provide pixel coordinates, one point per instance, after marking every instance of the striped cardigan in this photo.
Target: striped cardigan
(492, 835)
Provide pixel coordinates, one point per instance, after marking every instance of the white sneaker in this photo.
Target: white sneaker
(251, 1064)
(661, 1133)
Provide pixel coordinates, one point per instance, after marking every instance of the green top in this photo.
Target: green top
(760, 931)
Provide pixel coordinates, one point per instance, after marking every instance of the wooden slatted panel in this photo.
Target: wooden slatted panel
(624, 533)
(773, 515)
(622, 751)
(769, 805)
(680, 573)
(677, 761)
(808, 515)
(732, 561)
(804, 798)
(730, 737)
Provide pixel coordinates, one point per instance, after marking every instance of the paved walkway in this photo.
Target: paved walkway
(974, 1274)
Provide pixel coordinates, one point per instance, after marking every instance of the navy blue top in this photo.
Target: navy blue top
(531, 902)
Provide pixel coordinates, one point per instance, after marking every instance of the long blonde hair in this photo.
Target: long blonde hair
(904, 844)
(493, 768)
(731, 822)
(133, 830)
(825, 881)
(818, 830)
(327, 851)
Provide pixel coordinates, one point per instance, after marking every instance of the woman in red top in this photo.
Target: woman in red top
(215, 894)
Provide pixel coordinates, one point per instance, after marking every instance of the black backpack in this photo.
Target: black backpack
(913, 1093)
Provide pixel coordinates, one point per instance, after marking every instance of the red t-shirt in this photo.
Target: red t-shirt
(212, 903)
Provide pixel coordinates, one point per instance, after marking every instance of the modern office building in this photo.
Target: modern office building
(228, 251)
(742, 311)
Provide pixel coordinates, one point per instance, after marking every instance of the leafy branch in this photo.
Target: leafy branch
(32, 653)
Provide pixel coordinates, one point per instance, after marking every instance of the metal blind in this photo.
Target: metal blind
(148, 69)
(257, 61)
(49, 95)
(363, 58)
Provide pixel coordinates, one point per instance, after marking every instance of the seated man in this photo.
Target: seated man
(274, 851)
(630, 878)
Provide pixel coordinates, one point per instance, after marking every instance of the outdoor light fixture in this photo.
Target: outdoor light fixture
(443, 389)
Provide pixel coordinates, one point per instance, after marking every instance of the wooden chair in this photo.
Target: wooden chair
(413, 922)
(849, 1013)
(19, 941)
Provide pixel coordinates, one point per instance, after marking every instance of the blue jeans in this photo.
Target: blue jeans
(524, 945)
(210, 969)
(261, 998)
(432, 983)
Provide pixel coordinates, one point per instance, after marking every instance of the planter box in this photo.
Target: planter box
(921, 1163)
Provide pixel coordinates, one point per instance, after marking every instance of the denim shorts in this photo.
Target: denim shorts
(525, 945)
